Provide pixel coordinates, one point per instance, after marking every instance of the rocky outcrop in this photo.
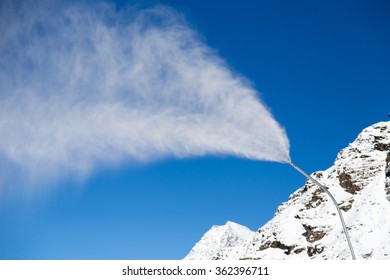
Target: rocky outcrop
(347, 184)
(307, 225)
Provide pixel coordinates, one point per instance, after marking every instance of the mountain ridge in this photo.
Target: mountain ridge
(307, 227)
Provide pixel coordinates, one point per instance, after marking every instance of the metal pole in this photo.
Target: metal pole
(334, 201)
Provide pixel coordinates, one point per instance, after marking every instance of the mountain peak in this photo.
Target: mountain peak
(229, 236)
(307, 226)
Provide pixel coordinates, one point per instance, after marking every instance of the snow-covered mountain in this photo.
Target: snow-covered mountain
(228, 236)
(307, 225)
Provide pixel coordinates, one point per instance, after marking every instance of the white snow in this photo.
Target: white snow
(229, 236)
(307, 225)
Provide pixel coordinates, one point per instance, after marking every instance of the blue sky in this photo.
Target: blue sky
(322, 68)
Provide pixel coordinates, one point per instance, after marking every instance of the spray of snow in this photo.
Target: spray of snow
(82, 85)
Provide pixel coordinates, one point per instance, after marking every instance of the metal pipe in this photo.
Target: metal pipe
(334, 201)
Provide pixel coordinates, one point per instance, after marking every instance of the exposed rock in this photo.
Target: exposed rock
(313, 233)
(265, 246)
(311, 251)
(315, 200)
(299, 250)
(367, 256)
(277, 244)
(388, 165)
(347, 184)
(346, 205)
(382, 146)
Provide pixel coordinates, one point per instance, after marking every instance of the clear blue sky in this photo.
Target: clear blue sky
(323, 68)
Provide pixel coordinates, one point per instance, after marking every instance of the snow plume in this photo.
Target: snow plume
(84, 84)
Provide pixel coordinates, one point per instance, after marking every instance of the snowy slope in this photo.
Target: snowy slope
(228, 236)
(307, 225)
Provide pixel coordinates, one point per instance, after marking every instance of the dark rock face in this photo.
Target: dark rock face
(382, 147)
(378, 145)
(277, 244)
(313, 234)
(311, 251)
(299, 250)
(346, 183)
(315, 200)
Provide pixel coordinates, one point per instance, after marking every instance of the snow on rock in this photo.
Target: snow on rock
(307, 225)
(229, 237)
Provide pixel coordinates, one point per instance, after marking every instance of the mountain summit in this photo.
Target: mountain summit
(307, 225)
(229, 236)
